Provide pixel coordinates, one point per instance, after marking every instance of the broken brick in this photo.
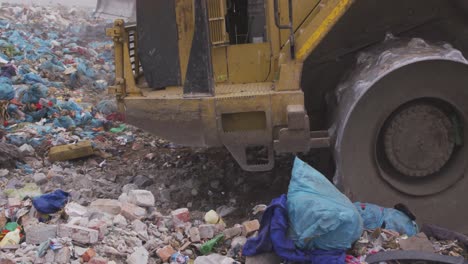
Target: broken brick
(251, 226)
(165, 253)
(88, 255)
(132, 212)
(180, 216)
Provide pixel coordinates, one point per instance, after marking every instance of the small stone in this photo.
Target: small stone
(165, 253)
(120, 221)
(141, 198)
(109, 206)
(79, 251)
(214, 259)
(140, 228)
(79, 234)
(88, 255)
(142, 181)
(419, 242)
(36, 234)
(129, 187)
(74, 209)
(132, 212)
(99, 225)
(4, 172)
(207, 231)
(7, 261)
(215, 184)
(194, 234)
(98, 260)
(62, 256)
(123, 198)
(241, 240)
(251, 226)
(140, 256)
(232, 232)
(40, 178)
(180, 216)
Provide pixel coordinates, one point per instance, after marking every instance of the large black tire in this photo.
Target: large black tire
(399, 131)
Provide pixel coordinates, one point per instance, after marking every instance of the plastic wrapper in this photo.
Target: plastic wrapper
(107, 107)
(321, 217)
(374, 216)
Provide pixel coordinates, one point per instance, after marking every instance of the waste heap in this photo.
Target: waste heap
(55, 66)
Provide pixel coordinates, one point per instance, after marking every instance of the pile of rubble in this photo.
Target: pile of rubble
(127, 230)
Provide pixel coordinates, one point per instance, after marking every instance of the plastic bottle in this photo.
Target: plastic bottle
(11, 239)
(208, 246)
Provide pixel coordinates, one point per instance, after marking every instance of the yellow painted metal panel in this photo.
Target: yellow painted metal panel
(249, 62)
(218, 57)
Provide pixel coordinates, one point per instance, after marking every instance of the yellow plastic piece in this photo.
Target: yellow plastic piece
(213, 218)
(11, 239)
(71, 151)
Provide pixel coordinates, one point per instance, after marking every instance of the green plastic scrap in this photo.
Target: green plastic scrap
(119, 129)
(208, 246)
(11, 226)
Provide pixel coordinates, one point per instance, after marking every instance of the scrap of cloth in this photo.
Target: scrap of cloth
(273, 238)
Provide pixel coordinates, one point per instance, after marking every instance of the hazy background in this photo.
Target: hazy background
(86, 3)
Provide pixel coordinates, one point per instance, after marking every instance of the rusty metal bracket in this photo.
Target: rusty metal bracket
(297, 137)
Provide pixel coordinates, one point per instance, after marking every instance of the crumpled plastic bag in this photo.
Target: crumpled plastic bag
(375, 216)
(320, 216)
(107, 107)
(34, 94)
(65, 122)
(7, 92)
(50, 203)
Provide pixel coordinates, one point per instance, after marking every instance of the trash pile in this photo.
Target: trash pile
(315, 223)
(55, 65)
(54, 228)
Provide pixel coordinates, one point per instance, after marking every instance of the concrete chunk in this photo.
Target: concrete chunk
(141, 198)
(36, 234)
(79, 234)
(109, 206)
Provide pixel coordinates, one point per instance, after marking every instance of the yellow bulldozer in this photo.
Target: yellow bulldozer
(383, 84)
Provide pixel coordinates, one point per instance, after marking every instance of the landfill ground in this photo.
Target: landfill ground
(78, 185)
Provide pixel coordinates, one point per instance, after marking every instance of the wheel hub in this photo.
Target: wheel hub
(419, 140)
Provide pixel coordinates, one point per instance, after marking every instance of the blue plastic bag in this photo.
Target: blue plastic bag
(107, 107)
(6, 91)
(375, 216)
(34, 94)
(50, 203)
(320, 216)
(65, 122)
